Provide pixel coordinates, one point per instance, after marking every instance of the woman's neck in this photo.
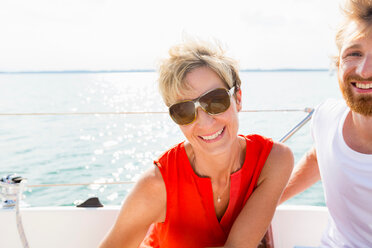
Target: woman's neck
(218, 167)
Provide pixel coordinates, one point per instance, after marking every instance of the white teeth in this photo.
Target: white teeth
(213, 136)
(363, 86)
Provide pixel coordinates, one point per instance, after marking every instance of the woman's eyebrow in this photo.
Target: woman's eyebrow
(355, 46)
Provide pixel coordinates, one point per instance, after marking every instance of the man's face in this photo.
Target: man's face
(355, 71)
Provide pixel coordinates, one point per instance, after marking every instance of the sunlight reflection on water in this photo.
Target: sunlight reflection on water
(112, 148)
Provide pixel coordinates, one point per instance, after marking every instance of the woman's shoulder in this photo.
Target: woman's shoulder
(149, 190)
(172, 160)
(151, 181)
(280, 158)
(281, 151)
(172, 152)
(279, 163)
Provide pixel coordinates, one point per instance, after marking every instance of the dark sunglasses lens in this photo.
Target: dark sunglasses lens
(216, 101)
(183, 113)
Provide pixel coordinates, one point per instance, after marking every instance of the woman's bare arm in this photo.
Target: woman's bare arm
(254, 219)
(145, 205)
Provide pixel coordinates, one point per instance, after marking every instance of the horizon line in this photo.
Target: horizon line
(153, 70)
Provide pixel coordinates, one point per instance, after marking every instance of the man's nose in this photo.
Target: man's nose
(365, 67)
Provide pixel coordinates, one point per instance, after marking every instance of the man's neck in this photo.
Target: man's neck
(357, 132)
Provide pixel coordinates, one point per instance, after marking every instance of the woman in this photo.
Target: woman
(217, 188)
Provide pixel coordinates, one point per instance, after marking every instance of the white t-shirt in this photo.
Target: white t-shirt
(346, 177)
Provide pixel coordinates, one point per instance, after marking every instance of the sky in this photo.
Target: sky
(49, 35)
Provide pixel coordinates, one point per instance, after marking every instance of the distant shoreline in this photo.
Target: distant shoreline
(152, 70)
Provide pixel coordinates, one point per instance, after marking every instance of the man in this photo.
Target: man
(342, 133)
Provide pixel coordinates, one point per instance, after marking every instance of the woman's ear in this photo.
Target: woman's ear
(238, 98)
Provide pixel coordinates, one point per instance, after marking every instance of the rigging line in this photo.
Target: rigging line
(77, 184)
(21, 231)
(141, 112)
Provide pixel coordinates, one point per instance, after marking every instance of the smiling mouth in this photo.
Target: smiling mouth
(213, 136)
(362, 86)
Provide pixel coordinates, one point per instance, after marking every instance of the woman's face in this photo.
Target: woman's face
(211, 134)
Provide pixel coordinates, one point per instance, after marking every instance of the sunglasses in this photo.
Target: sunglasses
(213, 102)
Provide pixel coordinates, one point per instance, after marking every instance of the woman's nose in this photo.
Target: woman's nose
(203, 118)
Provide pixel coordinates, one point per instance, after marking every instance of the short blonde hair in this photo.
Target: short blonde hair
(190, 55)
(357, 12)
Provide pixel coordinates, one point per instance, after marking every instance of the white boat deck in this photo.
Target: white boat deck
(61, 227)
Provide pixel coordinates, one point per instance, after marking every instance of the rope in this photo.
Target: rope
(21, 231)
(76, 184)
(140, 112)
(84, 113)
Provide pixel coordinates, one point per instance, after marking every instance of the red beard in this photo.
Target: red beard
(361, 103)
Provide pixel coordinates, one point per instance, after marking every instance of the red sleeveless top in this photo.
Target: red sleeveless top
(191, 220)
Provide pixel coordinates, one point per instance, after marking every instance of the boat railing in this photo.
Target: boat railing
(288, 135)
(140, 112)
(298, 126)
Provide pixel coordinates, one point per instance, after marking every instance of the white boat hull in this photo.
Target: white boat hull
(300, 226)
(61, 227)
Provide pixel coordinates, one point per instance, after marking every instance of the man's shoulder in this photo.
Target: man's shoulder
(331, 108)
(331, 105)
(326, 117)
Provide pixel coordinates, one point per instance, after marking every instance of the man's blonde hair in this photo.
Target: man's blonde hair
(190, 55)
(357, 12)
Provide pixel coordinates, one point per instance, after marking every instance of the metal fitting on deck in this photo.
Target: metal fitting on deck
(10, 188)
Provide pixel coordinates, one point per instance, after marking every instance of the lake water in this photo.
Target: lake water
(108, 148)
